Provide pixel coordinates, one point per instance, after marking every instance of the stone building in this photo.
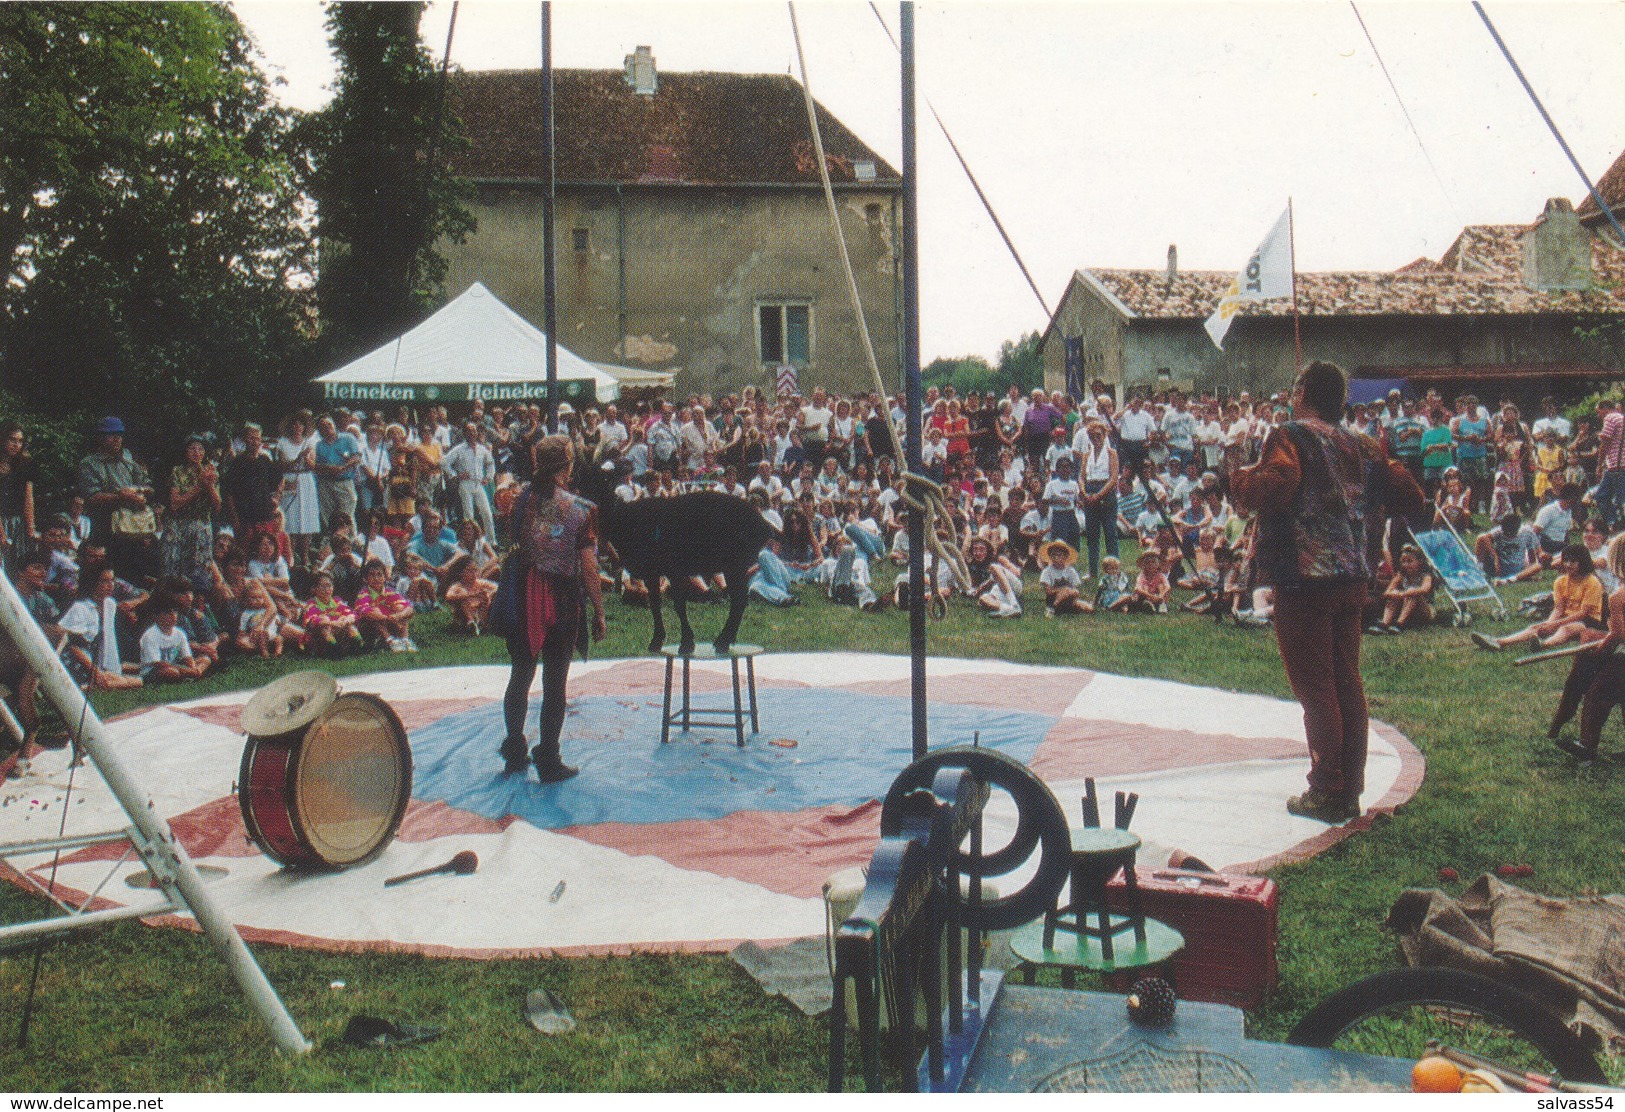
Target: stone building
(691, 230)
(1513, 310)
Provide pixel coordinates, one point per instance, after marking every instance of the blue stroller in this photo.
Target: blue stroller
(1458, 571)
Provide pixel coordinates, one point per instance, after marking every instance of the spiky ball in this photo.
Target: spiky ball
(1151, 1002)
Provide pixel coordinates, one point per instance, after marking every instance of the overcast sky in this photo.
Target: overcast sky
(1103, 132)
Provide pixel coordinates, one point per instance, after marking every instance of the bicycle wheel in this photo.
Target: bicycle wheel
(1395, 1014)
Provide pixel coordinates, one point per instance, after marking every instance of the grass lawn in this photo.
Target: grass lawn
(130, 1008)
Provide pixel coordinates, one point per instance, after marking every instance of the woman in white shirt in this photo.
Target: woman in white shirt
(301, 514)
(1099, 494)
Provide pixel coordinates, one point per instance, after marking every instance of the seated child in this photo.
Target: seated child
(1406, 601)
(1204, 580)
(1577, 605)
(330, 626)
(194, 620)
(380, 613)
(259, 627)
(1227, 597)
(1063, 587)
(995, 584)
(418, 582)
(1510, 552)
(469, 596)
(1501, 499)
(472, 541)
(1113, 591)
(1151, 586)
(271, 569)
(166, 656)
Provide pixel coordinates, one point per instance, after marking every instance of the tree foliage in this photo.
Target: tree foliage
(152, 232)
(378, 171)
(1020, 362)
(1019, 365)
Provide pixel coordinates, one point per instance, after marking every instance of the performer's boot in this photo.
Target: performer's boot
(550, 766)
(514, 758)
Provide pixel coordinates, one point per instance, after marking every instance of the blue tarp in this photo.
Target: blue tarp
(849, 748)
(1364, 391)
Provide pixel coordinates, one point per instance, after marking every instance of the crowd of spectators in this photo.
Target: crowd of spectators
(328, 537)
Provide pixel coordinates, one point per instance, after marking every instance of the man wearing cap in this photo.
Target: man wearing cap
(111, 479)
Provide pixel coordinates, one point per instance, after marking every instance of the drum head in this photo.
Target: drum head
(352, 780)
(288, 704)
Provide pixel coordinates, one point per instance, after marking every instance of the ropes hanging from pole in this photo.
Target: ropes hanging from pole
(1541, 108)
(921, 494)
(974, 184)
(1404, 111)
(549, 266)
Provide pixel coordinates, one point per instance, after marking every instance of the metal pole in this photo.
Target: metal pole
(549, 278)
(173, 869)
(911, 379)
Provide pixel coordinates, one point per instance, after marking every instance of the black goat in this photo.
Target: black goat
(700, 534)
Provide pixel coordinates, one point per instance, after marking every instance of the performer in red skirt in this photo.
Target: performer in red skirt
(558, 538)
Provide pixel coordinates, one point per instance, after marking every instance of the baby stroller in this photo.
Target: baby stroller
(1458, 571)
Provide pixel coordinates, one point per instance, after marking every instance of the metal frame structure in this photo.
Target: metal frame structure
(148, 834)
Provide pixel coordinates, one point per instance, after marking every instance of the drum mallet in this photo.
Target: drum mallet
(462, 864)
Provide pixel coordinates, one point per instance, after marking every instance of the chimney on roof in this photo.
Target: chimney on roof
(1173, 261)
(1557, 250)
(640, 72)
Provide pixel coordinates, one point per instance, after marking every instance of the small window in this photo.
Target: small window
(784, 333)
(580, 239)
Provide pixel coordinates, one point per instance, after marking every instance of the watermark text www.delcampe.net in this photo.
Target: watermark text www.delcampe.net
(88, 1104)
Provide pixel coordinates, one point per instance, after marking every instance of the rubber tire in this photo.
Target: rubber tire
(1514, 1009)
(1040, 824)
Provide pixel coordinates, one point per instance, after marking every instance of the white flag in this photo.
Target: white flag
(1268, 273)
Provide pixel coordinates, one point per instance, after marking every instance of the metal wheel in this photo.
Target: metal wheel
(1397, 1012)
(1041, 829)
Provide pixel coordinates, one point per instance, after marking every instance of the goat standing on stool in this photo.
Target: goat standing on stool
(701, 534)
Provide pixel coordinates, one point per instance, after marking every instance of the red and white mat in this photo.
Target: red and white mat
(696, 845)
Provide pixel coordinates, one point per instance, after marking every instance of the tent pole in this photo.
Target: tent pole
(911, 377)
(159, 847)
(549, 276)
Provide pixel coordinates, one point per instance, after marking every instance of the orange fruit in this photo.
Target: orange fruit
(1435, 1075)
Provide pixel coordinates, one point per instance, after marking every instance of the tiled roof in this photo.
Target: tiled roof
(698, 129)
(1480, 275)
(1611, 187)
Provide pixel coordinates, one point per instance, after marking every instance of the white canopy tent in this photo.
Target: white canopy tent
(473, 349)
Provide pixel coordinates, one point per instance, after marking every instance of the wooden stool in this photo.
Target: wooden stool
(690, 715)
(1071, 952)
(1097, 855)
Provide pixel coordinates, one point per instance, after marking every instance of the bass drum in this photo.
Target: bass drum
(332, 794)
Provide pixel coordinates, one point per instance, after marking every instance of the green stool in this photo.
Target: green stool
(1072, 952)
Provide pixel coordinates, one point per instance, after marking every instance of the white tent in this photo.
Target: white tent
(473, 349)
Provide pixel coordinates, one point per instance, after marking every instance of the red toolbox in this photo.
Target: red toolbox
(1229, 922)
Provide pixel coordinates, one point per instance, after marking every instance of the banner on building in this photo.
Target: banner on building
(1268, 273)
(786, 381)
(1076, 388)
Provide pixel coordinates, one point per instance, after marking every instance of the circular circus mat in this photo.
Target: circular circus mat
(695, 845)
